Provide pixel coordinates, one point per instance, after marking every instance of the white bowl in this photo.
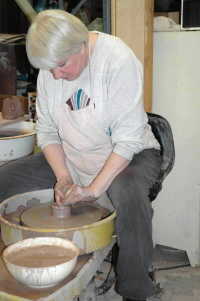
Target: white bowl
(41, 277)
(15, 147)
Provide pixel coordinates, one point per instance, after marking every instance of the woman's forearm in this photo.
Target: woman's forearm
(55, 156)
(113, 166)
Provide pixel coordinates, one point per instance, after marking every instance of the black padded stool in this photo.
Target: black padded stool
(163, 133)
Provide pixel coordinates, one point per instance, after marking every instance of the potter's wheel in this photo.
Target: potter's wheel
(28, 215)
(41, 216)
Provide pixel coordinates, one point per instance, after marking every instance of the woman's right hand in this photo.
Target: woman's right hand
(60, 190)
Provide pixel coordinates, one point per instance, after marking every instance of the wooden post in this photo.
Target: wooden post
(132, 21)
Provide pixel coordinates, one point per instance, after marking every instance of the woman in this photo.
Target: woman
(94, 134)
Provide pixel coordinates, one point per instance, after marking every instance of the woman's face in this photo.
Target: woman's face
(71, 69)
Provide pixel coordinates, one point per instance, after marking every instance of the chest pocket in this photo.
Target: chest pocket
(78, 100)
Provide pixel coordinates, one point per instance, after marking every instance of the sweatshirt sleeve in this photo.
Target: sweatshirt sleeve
(47, 132)
(128, 118)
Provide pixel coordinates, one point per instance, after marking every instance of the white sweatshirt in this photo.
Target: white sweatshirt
(113, 81)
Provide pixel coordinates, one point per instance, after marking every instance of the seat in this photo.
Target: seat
(163, 133)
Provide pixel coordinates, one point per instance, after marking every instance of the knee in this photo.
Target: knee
(121, 190)
(129, 189)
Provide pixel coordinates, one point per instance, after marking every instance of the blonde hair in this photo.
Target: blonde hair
(53, 36)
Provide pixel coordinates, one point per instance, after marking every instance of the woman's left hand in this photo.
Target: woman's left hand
(77, 194)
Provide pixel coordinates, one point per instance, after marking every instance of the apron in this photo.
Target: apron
(86, 144)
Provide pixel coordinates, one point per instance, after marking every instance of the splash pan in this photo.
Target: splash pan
(87, 236)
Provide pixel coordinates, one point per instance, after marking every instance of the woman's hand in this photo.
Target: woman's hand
(76, 194)
(61, 189)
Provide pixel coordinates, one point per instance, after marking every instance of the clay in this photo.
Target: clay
(11, 133)
(60, 211)
(12, 108)
(40, 256)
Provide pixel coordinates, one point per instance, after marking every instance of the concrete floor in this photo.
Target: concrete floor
(177, 279)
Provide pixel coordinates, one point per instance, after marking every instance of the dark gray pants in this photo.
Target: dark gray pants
(129, 194)
(25, 174)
